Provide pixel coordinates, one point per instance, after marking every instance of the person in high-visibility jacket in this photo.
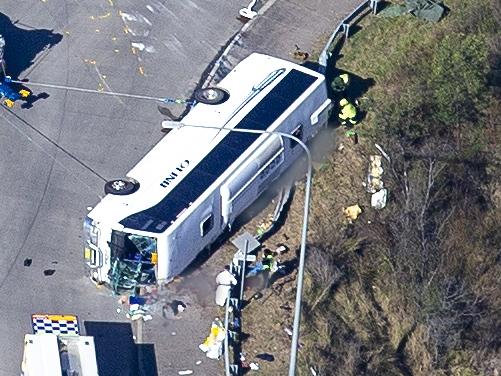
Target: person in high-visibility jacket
(348, 112)
(267, 266)
(341, 83)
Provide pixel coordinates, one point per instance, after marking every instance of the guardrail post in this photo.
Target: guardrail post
(346, 31)
(373, 5)
(242, 280)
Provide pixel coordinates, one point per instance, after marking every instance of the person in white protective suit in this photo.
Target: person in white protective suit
(224, 280)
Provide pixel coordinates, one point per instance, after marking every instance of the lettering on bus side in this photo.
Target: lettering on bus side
(174, 174)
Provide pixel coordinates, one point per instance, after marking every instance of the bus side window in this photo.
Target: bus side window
(206, 225)
(298, 132)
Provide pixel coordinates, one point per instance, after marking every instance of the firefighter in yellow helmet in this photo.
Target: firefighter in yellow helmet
(347, 113)
(341, 83)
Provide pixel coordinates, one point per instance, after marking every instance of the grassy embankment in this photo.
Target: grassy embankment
(413, 289)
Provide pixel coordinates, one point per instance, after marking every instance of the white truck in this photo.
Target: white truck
(57, 349)
(195, 182)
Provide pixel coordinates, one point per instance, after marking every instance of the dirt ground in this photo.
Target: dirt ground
(340, 170)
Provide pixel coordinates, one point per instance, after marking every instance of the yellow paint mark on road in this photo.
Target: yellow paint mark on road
(106, 15)
(126, 31)
(141, 71)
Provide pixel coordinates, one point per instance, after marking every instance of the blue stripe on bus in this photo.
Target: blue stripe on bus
(159, 217)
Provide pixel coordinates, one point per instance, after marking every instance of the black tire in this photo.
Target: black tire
(120, 187)
(211, 95)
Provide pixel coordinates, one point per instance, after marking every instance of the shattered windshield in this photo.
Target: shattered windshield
(144, 244)
(133, 258)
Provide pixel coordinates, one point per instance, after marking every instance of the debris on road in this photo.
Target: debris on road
(213, 344)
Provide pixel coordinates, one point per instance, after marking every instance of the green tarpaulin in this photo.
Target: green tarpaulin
(428, 10)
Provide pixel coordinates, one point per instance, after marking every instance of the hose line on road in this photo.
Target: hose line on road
(112, 93)
(39, 146)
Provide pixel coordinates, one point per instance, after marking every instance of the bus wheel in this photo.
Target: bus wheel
(211, 95)
(121, 187)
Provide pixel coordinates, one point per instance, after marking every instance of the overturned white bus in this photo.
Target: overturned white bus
(194, 183)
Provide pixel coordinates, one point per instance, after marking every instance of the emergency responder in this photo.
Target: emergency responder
(224, 280)
(267, 266)
(341, 83)
(348, 112)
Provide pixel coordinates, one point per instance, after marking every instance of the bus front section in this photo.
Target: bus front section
(122, 260)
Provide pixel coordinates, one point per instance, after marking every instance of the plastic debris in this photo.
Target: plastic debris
(147, 317)
(173, 333)
(378, 199)
(213, 344)
(352, 212)
(185, 372)
(374, 181)
(134, 307)
(119, 310)
(198, 362)
(254, 366)
(288, 331)
(248, 12)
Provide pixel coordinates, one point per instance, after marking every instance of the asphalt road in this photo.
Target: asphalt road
(55, 155)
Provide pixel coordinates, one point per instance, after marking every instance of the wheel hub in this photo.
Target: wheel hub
(118, 185)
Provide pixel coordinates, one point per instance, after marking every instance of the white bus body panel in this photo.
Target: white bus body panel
(183, 236)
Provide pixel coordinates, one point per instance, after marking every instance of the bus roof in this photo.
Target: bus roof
(185, 163)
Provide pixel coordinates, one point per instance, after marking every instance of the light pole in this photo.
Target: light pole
(304, 231)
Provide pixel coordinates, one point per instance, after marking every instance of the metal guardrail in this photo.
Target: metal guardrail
(344, 28)
(233, 302)
(234, 309)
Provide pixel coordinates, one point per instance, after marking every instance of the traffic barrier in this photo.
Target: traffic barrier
(344, 29)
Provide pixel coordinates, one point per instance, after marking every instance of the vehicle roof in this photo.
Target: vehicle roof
(42, 355)
(209, 152)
